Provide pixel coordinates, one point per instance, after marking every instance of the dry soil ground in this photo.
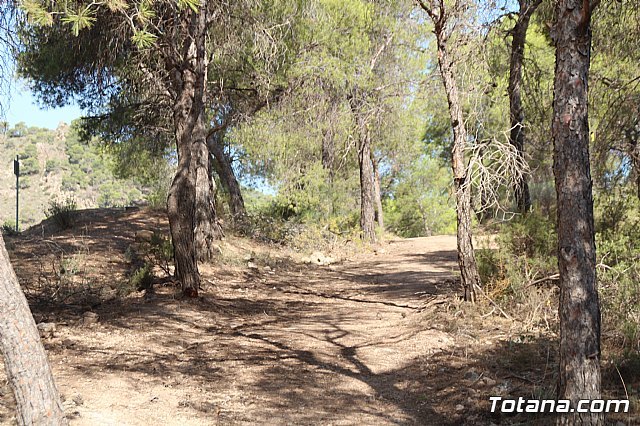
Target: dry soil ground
(378, 339)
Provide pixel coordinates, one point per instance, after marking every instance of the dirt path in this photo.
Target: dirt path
(361, 342)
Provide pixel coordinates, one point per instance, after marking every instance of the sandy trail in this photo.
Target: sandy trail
(352, 343)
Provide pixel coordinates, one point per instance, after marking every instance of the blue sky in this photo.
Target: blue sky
(23, 106)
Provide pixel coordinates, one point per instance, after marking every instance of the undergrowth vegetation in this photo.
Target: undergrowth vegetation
(519, 268)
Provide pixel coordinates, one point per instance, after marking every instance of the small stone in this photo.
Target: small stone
(459, 407)
(46, 329)
(252, 265)
(90, 318)
(471, 375)
(488, 381)
(67, 343)
(144, 236)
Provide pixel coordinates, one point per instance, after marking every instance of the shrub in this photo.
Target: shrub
(51, 166)
(9, 228)
(141, 279)
(526, 251)
(63, 213)
(29, 166)
(618, 233)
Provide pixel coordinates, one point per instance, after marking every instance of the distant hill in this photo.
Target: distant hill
(55, 165)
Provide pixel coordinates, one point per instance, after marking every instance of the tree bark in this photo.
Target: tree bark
(466, 254)
(227, 177)
(189, 80)
(516, 112)
(367, 207)
(579, 308)
(377, 192)
(635, 158)
(208, 229)
(181, 210)
(367, 210)
(25, 360)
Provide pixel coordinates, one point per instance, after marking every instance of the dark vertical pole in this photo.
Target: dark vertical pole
(16, 171)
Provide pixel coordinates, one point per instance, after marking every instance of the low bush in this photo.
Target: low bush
(63, 213)
(525, 252)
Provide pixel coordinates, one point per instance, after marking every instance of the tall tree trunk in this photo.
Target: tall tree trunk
(227, 177)
(579, 307)
(466, 254)
(516, 112)
(181, 210)
(25, 360)
(367, 209)
(635, 158)
(189, 80)
(367, 206)
(377, 192)
(208, 229)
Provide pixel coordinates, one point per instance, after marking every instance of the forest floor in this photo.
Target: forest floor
(378, 338)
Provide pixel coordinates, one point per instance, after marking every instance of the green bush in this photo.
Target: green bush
(526, 251)
(9, 228)
(29, 166)
(142, 278)
(51, 166)
(63, 213)
(617, 236)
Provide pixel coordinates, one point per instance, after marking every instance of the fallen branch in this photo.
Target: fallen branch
(477, 287)
(538, 281)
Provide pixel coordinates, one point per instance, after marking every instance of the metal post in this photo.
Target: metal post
(16, 171)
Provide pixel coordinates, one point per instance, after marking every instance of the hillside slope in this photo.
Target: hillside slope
(55, 165)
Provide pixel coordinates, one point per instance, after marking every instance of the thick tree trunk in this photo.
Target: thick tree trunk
(208, 229)
(579, 308)
(181, 210)
(379, 216)
(189, 80)
(466, 254)
(227, 177)
(25, 360)
(516, 112)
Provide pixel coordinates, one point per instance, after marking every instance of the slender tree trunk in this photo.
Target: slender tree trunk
(466, 254)
(635, 157)
(208, 229)
(25, 360)
(367, 209)
(579, 308)
(516, 112)
(367, 191)
(227, 177)
(377, 192)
